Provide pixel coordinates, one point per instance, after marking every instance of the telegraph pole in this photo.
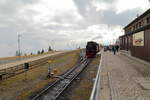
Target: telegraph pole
(19, 35)
(53, 44)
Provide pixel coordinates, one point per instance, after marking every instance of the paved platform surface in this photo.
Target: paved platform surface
(8, 65)
(123, 78)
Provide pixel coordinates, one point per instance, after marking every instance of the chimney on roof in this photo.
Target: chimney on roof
(138, 14)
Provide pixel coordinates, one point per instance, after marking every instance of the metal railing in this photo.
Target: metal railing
(96, 87)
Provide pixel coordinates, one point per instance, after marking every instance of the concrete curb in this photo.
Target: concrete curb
(135, 58)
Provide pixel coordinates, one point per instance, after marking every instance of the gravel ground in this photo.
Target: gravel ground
(82, 87)
(123, 77)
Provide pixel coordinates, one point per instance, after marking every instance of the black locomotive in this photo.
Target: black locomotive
(91, 49)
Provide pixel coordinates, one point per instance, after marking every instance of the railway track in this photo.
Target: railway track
(10, 72)
(19, 69)
(53, 91)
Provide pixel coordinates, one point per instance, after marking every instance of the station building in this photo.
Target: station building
(136, 39)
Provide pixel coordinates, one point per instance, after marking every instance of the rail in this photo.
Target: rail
(96, 87)
(53, 91)
(18, 69)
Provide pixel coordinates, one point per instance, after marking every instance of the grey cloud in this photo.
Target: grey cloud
(37, 35)
(106, 1)
(97, 37)
(66, 17)
(13, 22)
(83, 5)
(88, 11)
(9, 7)
(110, 16)
(10, 17)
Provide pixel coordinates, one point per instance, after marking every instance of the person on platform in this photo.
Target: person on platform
(114, 49)
(117, 48)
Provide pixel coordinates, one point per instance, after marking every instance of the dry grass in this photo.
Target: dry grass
(19, 89)
(83, 92)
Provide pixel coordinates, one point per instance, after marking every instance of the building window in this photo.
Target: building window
(133, 27)
(139, 24)
(142, 22)
(136, 26)
(148, 20)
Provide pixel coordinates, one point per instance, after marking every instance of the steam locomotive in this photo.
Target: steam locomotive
(91, 49)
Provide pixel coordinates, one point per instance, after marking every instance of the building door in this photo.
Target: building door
(127, 43)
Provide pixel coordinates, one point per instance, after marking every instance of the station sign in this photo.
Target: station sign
(138, 39)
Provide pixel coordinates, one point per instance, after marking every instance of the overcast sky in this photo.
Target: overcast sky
(64, 23)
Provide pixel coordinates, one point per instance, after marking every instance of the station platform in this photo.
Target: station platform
(122, 78)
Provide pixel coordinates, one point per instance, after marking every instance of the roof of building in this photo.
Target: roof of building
(142, 15)
(138, 30)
